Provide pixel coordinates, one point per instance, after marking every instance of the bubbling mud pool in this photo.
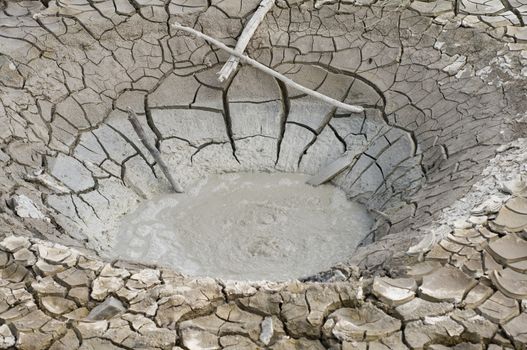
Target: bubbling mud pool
(246, 226)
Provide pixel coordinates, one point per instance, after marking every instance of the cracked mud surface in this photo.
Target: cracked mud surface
(443, 86)
(442, 89)
(245, 227)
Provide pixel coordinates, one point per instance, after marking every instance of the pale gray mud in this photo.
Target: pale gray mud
(246, 226)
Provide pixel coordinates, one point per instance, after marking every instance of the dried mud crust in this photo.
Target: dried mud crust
(443, 83)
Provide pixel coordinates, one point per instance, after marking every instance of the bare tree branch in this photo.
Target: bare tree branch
(248, 32)
(263, 68)
(132, 117)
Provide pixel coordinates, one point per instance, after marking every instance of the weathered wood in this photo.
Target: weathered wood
(265, 69)
(132, 117)
(247, 33)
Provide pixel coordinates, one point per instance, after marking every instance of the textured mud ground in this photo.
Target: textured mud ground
(443, 83)
(246, 227)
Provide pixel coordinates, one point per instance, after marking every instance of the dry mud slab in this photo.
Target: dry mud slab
(443, 86)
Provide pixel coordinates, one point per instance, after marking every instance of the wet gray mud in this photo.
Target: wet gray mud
(246, 226)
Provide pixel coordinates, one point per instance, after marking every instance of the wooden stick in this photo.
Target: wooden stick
(248, 32)
(132, 117)
(263, 68)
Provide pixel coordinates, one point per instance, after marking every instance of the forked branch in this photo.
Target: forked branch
(265, 69)
(248, 32)
(132, 117)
